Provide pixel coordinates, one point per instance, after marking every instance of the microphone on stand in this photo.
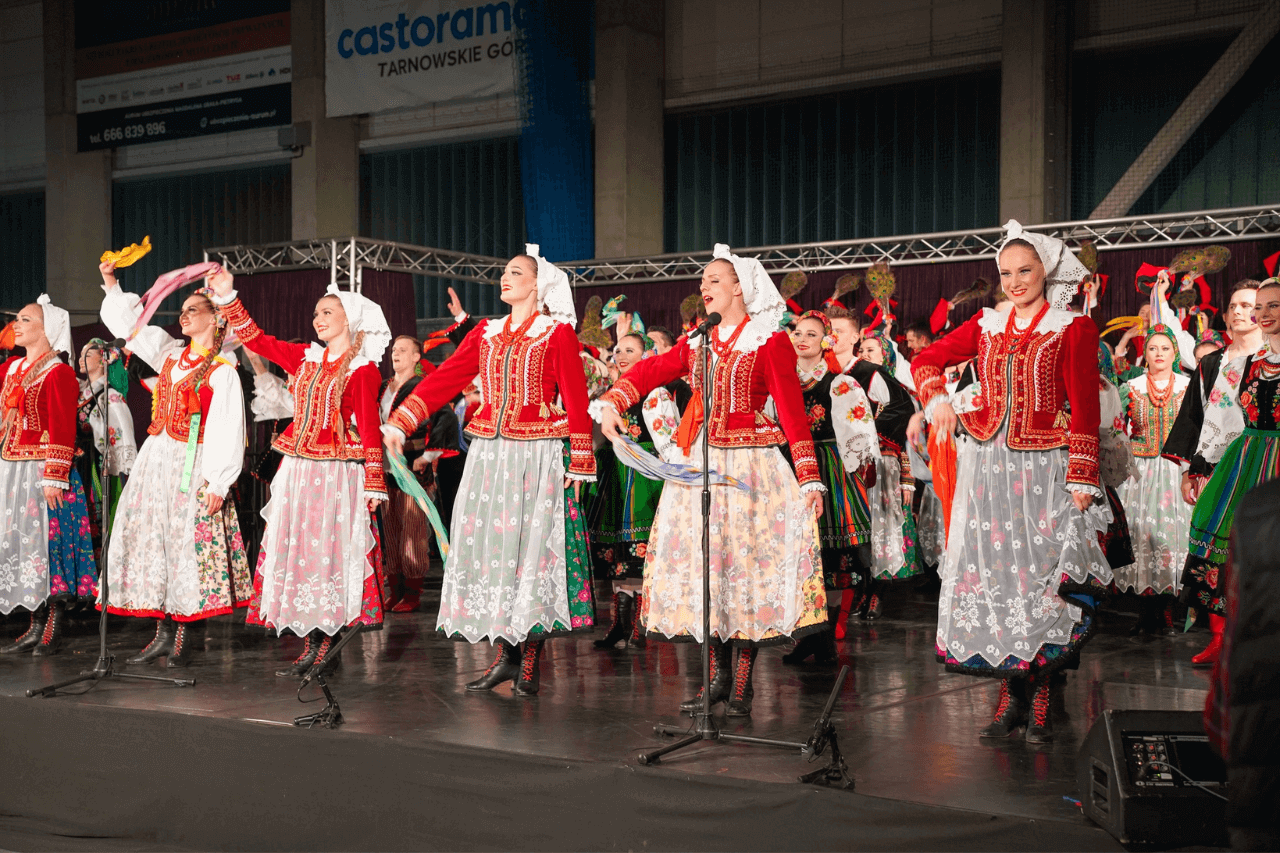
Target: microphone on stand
(704, 328)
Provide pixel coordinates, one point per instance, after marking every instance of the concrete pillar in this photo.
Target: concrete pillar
(77, 199)
(629, 127)
(326, 177)
(1035, 111)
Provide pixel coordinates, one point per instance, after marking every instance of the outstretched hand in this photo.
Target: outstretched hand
(221, 282)
(108, 270)
(454, 305)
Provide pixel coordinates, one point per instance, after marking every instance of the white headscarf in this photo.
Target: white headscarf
(555, 297)
(364, 315)
(1063, 272)
(57, 325)
(765, 304)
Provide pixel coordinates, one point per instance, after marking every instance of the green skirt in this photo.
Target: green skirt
(620, 517)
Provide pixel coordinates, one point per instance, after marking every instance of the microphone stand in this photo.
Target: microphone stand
(105, 667)
(704, 728)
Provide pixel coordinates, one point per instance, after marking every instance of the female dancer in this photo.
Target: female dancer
(1158, 517)
(845, 444)
(320, 565)
(766, 579)
(1019, 572)
(518, 571)
(46, 555)
(1241, 438)
(621, 513)
(175, 553)
(408, 535)
(103, 460)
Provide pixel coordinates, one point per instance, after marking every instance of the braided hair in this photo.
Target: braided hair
(219, 336)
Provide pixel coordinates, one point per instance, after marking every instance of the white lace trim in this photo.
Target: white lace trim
(758, 331)
(540, 325)
(596, 409)
(993, 322)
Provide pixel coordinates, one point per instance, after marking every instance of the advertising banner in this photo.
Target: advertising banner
(385, 54)
(149, 72)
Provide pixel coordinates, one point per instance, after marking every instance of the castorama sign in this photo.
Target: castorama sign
(386, 54)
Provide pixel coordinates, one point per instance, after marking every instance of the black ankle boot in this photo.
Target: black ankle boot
(530, 658)
(505, 667)
(1011, 709)
(721, 679)
(51, 637)
(623, 611)
(1040, 723)
(637, 624)
(185, 641)
(160, 645)
(743, 690)
(34, 631)
(810, 644)
(327, 660)
(310, 648)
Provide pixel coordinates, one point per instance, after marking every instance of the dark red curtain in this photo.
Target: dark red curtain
(921, 286)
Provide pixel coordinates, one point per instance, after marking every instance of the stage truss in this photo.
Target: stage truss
(346, 258)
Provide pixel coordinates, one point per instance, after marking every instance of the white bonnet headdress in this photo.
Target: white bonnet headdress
(555, 297)
(57, 325)
(764, 303)
(1063, 272)
(364, 315)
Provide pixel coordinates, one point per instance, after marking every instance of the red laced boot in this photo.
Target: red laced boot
(623, 607)
(743, 691)
(1211, 652)
(721, 679)
(51, 638)
(310, 647)
(503, 668)
(1040, 718)
(530, 666)
(637, 624)
(32, 636)
(1011, 710)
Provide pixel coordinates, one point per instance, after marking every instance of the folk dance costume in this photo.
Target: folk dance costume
(894, 552)
(46, 554)
(320, 566)
(104, 459)
(845, 444)
(518, 570)
(1023, 565)
(1241, 438)
(766, 578)
(169, 558)
(407, 550)
(1115, 464)
(1158, 516)
(622, 510)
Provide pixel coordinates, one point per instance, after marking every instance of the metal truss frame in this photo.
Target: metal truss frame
(346, 258)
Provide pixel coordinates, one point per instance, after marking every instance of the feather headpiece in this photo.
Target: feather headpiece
(881, 285)
(593, 333)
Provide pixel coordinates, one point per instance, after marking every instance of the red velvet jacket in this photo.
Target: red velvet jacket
(741, 383)
(322, 425)
(44, 425)
(1047, 384)
(520, 372)
(169, 410)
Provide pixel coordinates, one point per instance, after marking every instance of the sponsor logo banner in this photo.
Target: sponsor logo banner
(387, 54)
(180, 79)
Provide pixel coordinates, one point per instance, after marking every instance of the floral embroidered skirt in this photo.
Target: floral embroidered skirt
(1023, 567)
(167, 555)
(766, 572)
(407, 533)
(518, 565)
(1250, 460)
(1158, 522)
(894, 555)
(844, 531)
(320, 566)
(620, 517)
(44, 552)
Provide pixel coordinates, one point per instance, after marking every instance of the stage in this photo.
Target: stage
(422, 764)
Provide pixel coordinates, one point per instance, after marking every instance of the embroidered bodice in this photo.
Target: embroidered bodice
(531, 384)
(38, 411)
(1149, 424)
(1042, 381)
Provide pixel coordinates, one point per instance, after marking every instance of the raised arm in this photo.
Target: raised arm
(928, 368)
(120, 312)
(288, 356)
(648, 374)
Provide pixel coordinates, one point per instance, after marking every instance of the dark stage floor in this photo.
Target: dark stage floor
(907, 727)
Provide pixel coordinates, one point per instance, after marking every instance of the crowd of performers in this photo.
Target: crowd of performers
(1027, 464)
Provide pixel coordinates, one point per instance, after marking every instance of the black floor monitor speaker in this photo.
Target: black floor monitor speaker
(1150, 778)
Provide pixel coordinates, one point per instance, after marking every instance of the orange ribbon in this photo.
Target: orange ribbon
(687, 432)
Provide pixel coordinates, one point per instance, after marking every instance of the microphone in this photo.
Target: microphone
(704, 328)
(118, 343)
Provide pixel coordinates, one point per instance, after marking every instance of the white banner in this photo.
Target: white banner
(385, 54)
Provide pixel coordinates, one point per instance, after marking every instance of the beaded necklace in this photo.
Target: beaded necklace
(1016, 338)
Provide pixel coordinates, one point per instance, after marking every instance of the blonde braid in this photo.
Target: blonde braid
(219, 336)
